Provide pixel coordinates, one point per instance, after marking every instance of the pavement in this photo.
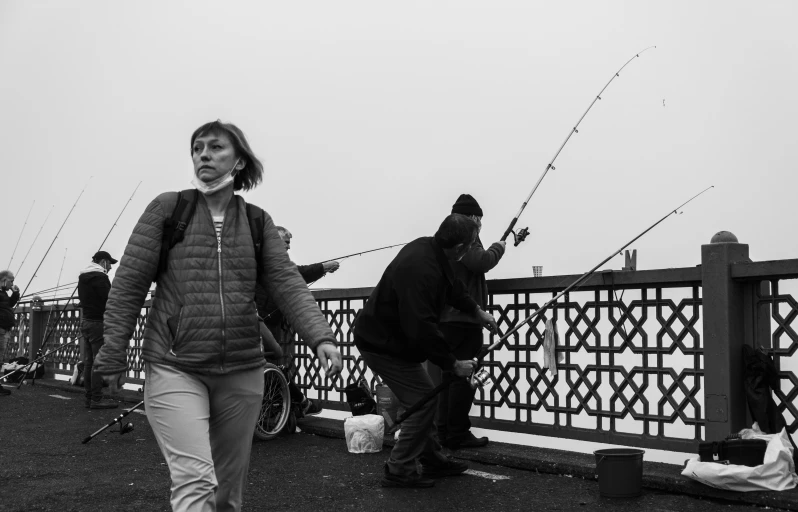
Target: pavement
(44, 467)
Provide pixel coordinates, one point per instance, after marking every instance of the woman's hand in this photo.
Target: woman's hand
(330, 359)
(115, 382)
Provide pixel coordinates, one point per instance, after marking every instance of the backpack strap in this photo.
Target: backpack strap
(174, 228)
(256, 224)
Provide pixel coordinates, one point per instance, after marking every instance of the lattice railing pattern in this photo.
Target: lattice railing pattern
(783, 343)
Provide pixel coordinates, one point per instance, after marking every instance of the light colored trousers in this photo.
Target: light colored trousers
(204, 426)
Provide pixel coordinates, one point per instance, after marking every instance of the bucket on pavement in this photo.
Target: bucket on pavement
(620, 472)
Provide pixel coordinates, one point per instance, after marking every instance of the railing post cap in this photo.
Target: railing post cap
(724, 237)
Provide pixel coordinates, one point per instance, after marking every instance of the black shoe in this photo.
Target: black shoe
(449, 468)
(105, 403)
(4, 391)
(311, 407)
(467, 441)
(409, 481)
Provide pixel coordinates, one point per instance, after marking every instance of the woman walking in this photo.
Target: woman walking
(202, 345)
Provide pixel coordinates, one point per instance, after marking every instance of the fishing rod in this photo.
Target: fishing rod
(71, 297)
(56, 235)
(48, 290)
(20, 234)
(521, 235)
(480, 377)
(123, 429)
(34, 239)
(56, 283)
(364, 252)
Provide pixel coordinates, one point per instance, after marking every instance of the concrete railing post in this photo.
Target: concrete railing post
(724, 336)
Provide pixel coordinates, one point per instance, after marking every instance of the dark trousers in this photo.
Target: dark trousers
(455, 402)
(418, 440)
(92, 331)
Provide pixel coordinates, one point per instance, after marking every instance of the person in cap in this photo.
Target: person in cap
(93, 288)
(7, 319)
(463, 334)
(397, 330)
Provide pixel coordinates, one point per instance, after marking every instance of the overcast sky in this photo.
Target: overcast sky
(372, 117)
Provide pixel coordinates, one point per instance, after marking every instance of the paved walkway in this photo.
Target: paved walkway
(44, 467)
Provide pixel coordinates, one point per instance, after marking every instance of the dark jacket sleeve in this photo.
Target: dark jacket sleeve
(311, 273)
(101, 286)
(460, 299)
(419, 318)
(478, 260)
(136, 271)
(12, 301)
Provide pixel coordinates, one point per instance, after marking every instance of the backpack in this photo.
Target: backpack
(174, 227)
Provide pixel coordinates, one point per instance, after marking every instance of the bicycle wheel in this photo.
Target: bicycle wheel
(276, 405)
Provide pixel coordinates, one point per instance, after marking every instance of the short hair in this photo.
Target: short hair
(252, 174)
(6, 274)
(455, 229)
(283, 232)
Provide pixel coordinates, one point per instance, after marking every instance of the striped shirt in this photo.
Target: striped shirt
(217, 223)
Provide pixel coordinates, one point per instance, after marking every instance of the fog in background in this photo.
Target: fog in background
(371, 118)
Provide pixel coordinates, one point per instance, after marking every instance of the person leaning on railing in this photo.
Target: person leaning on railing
(204, 359)
(6, 315)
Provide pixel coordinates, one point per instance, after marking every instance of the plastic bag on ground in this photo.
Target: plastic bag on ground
(364, 434)
(776, 473)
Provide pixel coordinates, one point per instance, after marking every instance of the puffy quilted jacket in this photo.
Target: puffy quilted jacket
(203, 318)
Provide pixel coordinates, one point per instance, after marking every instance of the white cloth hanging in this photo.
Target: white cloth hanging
(550, 339)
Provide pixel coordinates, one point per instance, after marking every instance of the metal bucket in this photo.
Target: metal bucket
(620, 472)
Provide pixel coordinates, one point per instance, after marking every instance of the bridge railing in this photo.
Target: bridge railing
(644, 358)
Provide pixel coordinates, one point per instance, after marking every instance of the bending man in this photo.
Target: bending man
(397, 330)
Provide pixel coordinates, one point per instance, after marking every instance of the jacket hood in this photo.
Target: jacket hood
(93, 267)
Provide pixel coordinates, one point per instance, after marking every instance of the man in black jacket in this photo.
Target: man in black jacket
(397, 330)
(6, 315)
(280, 329)
(93, 288)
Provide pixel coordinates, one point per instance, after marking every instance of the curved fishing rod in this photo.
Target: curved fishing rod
(56, 236)
(480, 378)
(34, 239)
(20, 234)
(522, 233)
(69, 300)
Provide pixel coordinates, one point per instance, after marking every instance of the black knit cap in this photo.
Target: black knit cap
(467, 205)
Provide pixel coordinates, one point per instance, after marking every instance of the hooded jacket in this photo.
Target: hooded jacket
(204, 318)
(93, 288)
(7, 309)
(401, 316)
(471, 270)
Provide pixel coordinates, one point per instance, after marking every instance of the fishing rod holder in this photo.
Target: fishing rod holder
(520, 236)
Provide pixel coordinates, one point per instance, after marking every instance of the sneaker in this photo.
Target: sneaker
(311, 407)
(469, 440)
(408, 481)
(104, 403)
(4, 391)
(449, 468)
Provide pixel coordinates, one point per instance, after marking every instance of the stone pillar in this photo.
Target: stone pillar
(724, 336)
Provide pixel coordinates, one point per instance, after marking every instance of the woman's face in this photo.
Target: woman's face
(213, 156)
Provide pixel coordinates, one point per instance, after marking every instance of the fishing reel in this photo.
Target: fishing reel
(125, 429)
(520, 236)
(479, 378)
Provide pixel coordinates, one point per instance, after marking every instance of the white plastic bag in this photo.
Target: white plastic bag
(364, 434)
(776, 473)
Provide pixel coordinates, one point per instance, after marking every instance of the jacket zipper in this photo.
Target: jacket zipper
(221, 298)
(177, 332)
